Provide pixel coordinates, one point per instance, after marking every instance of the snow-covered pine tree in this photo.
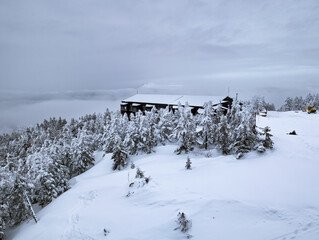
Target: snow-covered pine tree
(206, 124)
(316, 101)
(6, 185)
(42, 180)
(188, 165)
(61, 175)
(81, 153)
(268, 143)
(120, 155)
(185, 130)
(132, 165)
(63, 151)
(73, 127)
(153, 118)
(244, 135)
(258, 103)
(132, 138)
(94, 127)
(48, 175)
(265, 140)
(237, 129)
(139, 173)
(184, 224)
(165, 125)
(116, 128)
(289, 104)
(107, 117)
(17, 207)
(298, 103)
(222, 132)
(148, 131)
(309, 100)
(2, 223)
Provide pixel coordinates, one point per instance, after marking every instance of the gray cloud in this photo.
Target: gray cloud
(185, 46)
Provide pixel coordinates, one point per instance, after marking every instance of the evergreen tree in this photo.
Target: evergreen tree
(309, 100)
(316, 101)
(63, 151)
(147, 132)
(139, 173)
(2, 223)
(165, 125)
(184, 225)
(132, 165)
(188, 165)
(298, 103)
(98, 135)
(48, 175)
(115, 129)
(17, 207)
(81, 153)
(243, 136)
(266, 140)
(288, 106)
(6, 185)
(185, 130)
(42, 175)
(222, 133)
(206, 123)
(270, 107)
(258, 103)
(120, 155)
(133, 139)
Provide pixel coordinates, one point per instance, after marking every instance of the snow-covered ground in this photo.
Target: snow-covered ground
(270, 196)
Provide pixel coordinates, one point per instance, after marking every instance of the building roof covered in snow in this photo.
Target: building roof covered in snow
(192, 100)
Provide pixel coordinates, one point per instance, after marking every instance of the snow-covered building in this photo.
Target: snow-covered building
(145, 102)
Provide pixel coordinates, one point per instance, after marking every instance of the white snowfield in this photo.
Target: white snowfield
(260, 197)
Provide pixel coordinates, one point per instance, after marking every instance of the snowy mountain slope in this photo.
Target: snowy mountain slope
(269, 196)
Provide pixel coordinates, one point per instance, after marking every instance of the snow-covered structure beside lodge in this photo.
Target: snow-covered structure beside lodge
(145, 102)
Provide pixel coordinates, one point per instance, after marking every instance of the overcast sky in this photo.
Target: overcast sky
(268, 47)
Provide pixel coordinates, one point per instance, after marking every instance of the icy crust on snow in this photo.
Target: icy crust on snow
(270, 196)
(192, 100)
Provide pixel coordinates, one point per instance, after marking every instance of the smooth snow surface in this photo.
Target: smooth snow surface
(270, 196)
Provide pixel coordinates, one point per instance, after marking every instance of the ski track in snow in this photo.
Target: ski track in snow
(299, 233)
(308, 223)
(73, 231)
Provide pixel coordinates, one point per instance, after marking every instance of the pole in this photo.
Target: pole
(31, 208)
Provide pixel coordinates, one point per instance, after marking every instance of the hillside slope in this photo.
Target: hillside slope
(270, 196)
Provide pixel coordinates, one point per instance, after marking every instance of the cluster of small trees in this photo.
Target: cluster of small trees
(258, 103)
(299, 103)
(37, 163)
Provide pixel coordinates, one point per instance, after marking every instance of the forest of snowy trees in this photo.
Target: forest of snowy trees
(299, 103)
(37, 163)
(258, 103)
